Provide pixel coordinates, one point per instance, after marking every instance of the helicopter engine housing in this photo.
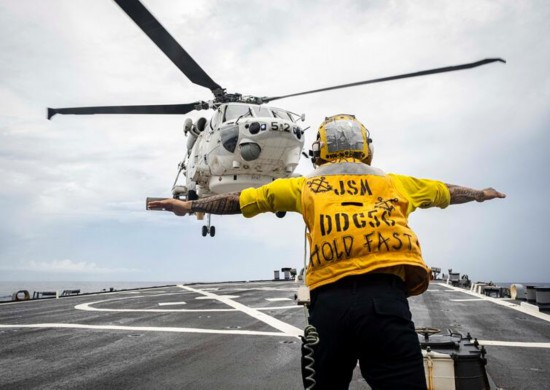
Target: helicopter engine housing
(193, 130)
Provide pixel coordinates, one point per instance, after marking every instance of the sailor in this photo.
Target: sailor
(365, 260)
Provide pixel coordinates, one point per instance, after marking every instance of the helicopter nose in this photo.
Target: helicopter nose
(250, 151)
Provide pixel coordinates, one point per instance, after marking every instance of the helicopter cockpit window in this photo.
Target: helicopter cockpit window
(281, 114)
(216, 118)
(260, 111)
(229, 136)
(233, 111)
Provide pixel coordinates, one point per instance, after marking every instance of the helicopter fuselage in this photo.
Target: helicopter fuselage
(242, 145)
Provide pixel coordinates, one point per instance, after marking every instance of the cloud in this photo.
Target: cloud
(66, 266)
(90, 174)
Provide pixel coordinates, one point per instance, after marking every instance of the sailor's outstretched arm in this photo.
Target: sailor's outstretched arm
(461, 194)
(216, 204)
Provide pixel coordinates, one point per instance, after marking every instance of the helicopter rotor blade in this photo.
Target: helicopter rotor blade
(397, 77)
(150, 109)
(169, 46)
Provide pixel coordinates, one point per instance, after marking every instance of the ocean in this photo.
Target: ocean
(524, 284)
(7, 288)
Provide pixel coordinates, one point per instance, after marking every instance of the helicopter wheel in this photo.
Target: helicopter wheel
(212, 231)
(204, 231)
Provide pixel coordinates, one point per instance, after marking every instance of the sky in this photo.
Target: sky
(73, 189)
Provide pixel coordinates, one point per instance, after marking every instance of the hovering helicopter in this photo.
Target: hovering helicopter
(245, 143)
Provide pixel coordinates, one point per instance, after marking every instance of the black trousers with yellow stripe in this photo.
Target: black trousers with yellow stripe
(365, 318)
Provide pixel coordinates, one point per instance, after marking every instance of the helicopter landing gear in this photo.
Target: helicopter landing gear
(208, 229)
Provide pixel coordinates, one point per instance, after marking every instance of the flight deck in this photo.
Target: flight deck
(241, 335)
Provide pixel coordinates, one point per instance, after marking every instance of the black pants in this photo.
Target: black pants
(365, 318)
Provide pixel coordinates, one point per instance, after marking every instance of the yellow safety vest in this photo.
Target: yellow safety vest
(357, 220)
(358, 224)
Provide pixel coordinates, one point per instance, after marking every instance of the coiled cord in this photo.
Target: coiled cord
(309, 340)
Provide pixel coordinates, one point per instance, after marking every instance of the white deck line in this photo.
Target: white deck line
(466, 300)
(514, 344)
(278, 307)
(501, 302)
(288, 329)
(225, 296)
(146, 329)
(277, 299)
(88, 307)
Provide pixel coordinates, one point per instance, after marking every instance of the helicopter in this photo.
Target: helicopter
(245, 143)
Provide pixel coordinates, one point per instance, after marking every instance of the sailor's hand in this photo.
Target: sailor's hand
(178, 207)
(490, 193)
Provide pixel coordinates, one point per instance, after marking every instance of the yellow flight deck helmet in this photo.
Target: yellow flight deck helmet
(342, 136)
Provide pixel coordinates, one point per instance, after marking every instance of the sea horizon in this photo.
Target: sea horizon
(7, 288)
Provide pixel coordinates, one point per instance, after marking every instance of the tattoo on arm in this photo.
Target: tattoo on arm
(464, 194)
(218, 204)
